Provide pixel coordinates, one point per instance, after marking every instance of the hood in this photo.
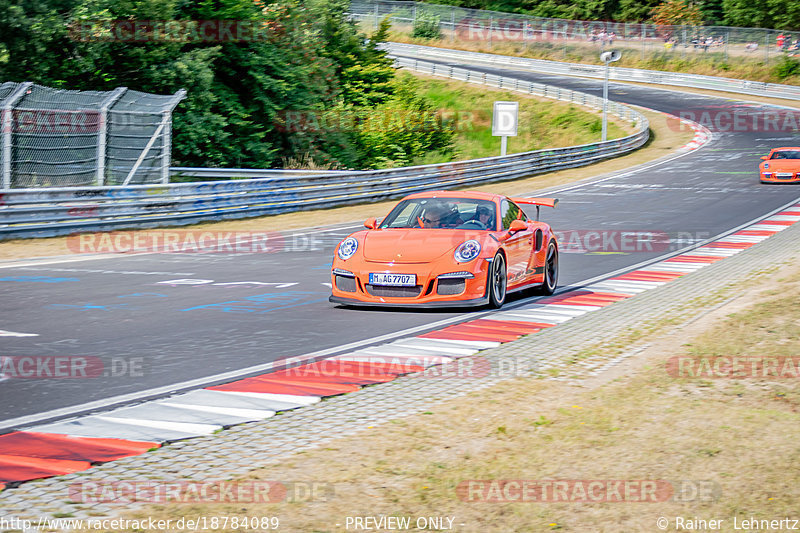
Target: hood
(415, 245)
(782, 165)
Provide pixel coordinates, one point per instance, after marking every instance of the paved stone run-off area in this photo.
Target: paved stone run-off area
(239, 449)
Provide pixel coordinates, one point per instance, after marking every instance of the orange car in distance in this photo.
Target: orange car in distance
(782, 165)
(446, 249)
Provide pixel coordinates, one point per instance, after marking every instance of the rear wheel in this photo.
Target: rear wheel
(550, 270)
(496, 282)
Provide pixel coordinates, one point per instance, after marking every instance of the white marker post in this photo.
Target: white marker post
(607, 57)
(504, 122)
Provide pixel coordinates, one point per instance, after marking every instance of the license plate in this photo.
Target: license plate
(397, 280)
(784, 175)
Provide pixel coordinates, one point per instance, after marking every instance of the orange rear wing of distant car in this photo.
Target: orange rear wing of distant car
(538, 202)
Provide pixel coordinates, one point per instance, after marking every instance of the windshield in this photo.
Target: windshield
(786, 154)
(438, 213)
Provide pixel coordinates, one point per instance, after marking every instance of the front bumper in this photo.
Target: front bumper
(430, 290)
(477, 302)
(772, 177)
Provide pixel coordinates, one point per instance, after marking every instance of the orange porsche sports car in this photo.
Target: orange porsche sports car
(442, 249)
(782, 165)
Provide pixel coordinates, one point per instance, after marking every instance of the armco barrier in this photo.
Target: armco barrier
(697, 81)
(60, 211)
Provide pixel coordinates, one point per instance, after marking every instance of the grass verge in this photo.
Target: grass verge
(543, 123)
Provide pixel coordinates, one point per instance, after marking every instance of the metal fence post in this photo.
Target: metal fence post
(643, 34)
(102, 134)
(166, 148)
(727, 40)
(8, 122)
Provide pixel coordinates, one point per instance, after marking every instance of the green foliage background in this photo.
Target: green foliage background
(313, 62)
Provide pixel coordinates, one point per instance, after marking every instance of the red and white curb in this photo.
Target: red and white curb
(702, 135)
(74, 445)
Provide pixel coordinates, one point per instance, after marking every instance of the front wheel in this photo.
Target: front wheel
(550, 270)
(496, 282)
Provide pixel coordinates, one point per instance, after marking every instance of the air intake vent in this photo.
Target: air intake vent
(394, 292)
(346, 284)
(450, 286)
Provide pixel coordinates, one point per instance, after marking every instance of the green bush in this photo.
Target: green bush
(403, 128)
(786, 68)
(426, 26)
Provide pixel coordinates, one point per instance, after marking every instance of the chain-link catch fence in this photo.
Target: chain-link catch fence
(63, 138)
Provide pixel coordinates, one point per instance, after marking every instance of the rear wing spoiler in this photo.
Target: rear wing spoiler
(538, 202)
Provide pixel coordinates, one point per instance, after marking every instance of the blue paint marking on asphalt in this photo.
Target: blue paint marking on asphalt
(143, 295)
(90, 307)
(38, 279)
(263, 303)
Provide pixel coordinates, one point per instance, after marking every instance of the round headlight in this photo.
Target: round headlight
(766, 165)
(468, 251)
(347, 248)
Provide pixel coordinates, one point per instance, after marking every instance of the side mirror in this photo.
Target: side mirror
(517, 226)
(371, 223)
(764, 157)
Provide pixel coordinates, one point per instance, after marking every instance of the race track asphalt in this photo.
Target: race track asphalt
(245, 309)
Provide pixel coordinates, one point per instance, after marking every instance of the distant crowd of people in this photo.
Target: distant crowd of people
(784, 44)
(602, 37)
(697, 42)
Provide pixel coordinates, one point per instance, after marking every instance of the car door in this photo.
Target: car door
(518, 247)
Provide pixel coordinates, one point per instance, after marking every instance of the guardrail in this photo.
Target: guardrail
(756, 88)
(60, 211)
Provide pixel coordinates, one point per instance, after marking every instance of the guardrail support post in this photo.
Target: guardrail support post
(8, 126)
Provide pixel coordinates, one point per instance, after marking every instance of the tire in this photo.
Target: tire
(497, 281)
(550, 282)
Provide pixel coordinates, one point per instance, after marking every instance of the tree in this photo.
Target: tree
(677, 12)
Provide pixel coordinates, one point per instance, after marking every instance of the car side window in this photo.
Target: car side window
(509, 212)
